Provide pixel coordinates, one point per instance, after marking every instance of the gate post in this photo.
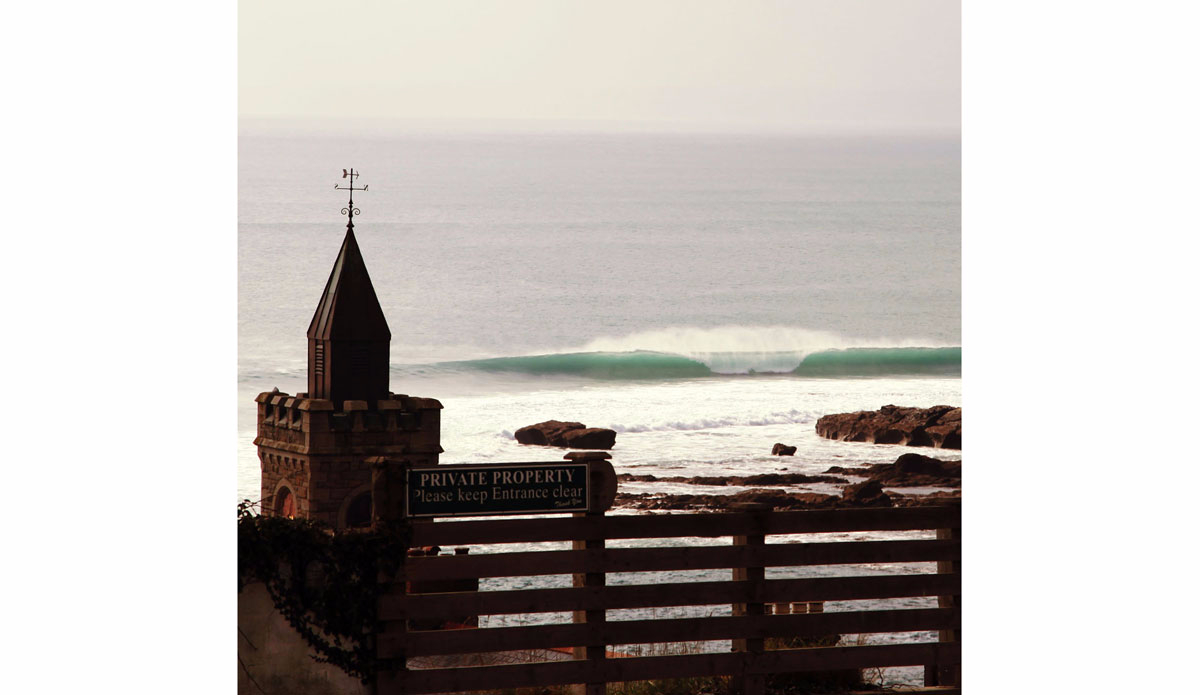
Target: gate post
(387, 512)
(592, 652)
(754, 574)
(391, 672)
(947, 674)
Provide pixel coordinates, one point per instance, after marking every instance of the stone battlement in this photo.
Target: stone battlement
(397, 425)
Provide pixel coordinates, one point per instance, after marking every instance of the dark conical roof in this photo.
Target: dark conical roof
(349, 309)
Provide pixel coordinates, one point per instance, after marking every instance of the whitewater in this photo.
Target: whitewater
(695, 412)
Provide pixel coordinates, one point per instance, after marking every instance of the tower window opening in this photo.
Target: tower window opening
(358, 513)
(285, 503)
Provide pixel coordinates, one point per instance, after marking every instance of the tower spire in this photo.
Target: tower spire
(348, 338)
(349, 211)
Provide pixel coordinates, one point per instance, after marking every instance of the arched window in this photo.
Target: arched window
(285, 503)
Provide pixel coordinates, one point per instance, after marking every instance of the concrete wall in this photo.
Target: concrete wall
(277, 658)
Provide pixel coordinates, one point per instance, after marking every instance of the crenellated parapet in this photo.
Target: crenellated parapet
(399, 424)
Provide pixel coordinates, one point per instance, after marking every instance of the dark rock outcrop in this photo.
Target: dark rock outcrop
(761, 479)
(939, 426)
(916, 464)
(780, 500)
(932, 499)
(910, 470)
(868, 493)
(589, 438)
(546, 432)
(572, 435)
(782, 450)
(777, 499)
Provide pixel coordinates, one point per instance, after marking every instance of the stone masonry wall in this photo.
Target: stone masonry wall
(321, 450)
(278, 466)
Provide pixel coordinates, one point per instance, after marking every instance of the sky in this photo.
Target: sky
(748, 65)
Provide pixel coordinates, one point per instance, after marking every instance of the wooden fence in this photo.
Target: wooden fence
(748, 591)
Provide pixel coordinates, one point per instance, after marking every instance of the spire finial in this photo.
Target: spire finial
(349, 211)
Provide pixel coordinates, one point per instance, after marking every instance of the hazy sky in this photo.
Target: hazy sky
(699, 64)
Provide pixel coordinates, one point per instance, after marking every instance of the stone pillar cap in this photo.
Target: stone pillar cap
(588, 456)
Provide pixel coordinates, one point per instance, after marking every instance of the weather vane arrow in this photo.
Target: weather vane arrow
(349, 211)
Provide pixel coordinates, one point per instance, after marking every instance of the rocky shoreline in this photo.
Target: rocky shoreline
(939, 427)
(909, 470)
(936, 427)
(763, 479)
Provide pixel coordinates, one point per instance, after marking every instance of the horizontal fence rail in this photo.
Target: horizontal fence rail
(436, 642)
(683, 525)
(747, 594)
(678, 558)
(663, 595)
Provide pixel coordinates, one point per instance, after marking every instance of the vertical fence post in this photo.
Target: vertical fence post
(594, 652)
(947, 674)
(390, 673)
(388, 489)
(751, 683)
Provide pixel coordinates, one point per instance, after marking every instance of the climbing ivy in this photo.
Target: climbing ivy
(325, 583)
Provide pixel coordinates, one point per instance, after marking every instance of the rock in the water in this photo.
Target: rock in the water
(761, 479)
(545, 432)
(939, 426)
(868, 493)
(777, 499)
(574, 435)
(916, 464)
(944, 498)
(915, 470)
(782, 450)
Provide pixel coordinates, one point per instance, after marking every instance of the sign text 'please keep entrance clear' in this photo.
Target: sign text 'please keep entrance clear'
(511, 488)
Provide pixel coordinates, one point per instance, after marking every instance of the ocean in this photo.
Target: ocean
(705, 296)
(684, 290)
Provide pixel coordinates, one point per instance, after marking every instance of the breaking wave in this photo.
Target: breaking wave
(647, 365)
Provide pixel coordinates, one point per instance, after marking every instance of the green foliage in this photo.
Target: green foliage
(325, 583)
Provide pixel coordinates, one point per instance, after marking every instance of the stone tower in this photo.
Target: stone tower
(313, 446)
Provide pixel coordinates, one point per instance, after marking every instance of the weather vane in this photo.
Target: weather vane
(349, 211)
